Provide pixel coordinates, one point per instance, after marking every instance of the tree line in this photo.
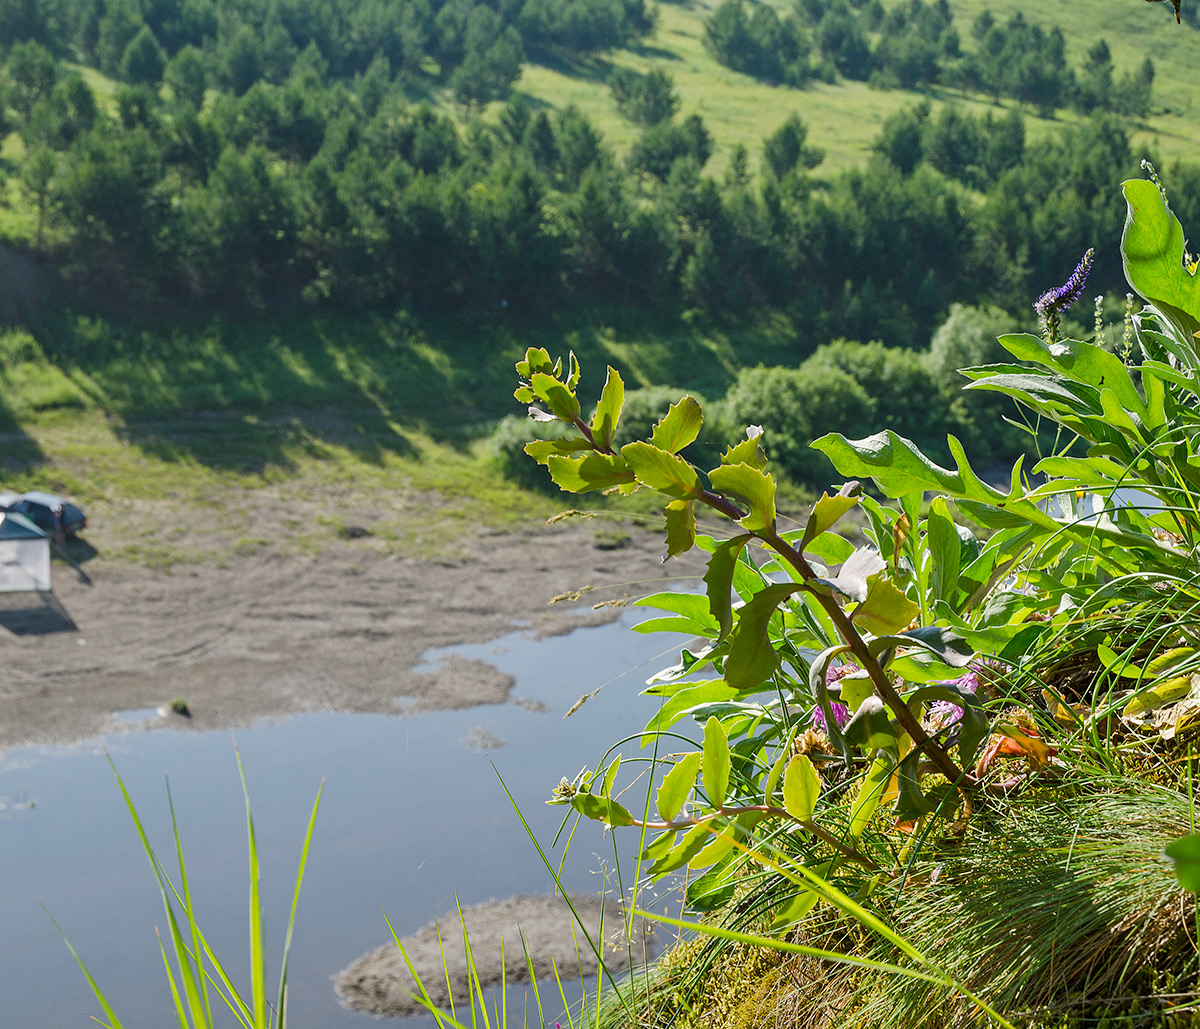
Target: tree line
(474, 47)
(915, 44)
(325, 191)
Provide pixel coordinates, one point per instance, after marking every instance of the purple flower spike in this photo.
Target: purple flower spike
(1051, 304)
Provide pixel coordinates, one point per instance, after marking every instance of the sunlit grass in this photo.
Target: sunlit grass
(845, 118)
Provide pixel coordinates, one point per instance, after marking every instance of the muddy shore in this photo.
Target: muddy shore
(273, 634)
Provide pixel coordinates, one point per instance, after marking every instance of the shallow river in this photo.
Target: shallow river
(412, 815)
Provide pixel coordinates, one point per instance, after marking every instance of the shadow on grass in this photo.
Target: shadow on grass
(655, 52)
(248, 395)
(243, 394)
(589, 69)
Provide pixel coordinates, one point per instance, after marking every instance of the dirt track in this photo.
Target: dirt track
(275, 633)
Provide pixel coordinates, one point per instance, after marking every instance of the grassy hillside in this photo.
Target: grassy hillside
(141, 422)
(844, 118)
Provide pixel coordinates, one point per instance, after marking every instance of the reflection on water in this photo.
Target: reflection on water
(413, 817)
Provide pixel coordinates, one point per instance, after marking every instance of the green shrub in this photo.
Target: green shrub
(796, 405)
(968, 338)
(904, 397)
(506, 450)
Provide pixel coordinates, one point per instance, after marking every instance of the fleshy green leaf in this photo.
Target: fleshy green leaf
(561, 401)
(685, 701)
(828, 547)
(719, 579)
(828, 511)
(748, 451)
(871, 729)
(541, 449)
(755, 487)
(680, 527)
(911, 802)
(1184, 855)
(659, 470)
(1152, 249)
(900, 468)
(715, 767)
(679, 426)
(793, 909)
(589, 473)
(1081, 362)
(610, 777)
(943, 643)
(886, 609)
(602, 809)
(608, 411)
(536, 360)
(854, 689)
(676, 786)
(870, 793)
(692, 606)
(689, 846)
(773, 777)
(713, 889)
(721, 844)
(945, 551)
(752, 660)
(801, 788)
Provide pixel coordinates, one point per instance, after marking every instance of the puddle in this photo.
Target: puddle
(137, 715)
(413, 821)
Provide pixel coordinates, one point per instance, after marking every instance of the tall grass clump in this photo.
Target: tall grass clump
(198, 982)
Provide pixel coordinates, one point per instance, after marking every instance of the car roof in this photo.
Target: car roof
(8, 499)
(48, 499)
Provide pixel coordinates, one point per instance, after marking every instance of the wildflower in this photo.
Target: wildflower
(945, 711)
(841, 713)
(1051, 304)
(977, 673)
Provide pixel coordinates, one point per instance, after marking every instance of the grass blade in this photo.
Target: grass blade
(258, 992)
(287, 942)
(196, 992)
(113, 1021)
(180, 1010)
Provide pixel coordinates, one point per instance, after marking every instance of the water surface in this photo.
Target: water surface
(412, 816)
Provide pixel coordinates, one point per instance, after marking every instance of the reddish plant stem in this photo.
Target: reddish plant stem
(883, 686)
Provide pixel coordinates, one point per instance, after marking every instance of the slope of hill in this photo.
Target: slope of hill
(845, 117)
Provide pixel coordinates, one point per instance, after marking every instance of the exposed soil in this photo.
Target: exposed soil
(273, 633)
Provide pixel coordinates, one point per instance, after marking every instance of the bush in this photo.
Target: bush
(967, 338)
(506, 450)
(904, 397)
(796, 405)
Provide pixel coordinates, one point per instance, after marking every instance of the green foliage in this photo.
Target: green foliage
(791, 405)
(644, 99)
(840, 688)
(787, 150)
(143, 61)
